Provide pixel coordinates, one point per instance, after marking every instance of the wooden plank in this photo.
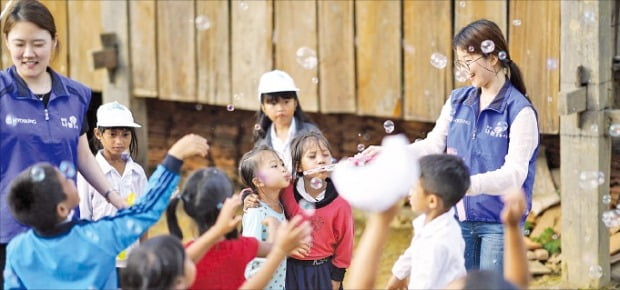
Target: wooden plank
(426, 87)
(535, 47)
(585, 146)
(295, 38)
(466, 11)
(84, 22)
(176, 50)
(143, 47)
(379, 67)
(252, 30)
(213, 48)
(336, 52)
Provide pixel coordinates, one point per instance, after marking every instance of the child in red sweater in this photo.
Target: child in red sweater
(313, 195)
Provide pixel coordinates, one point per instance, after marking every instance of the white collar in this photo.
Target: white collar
(302, 191)
(106, 167)
(440, 222)
(291, 132)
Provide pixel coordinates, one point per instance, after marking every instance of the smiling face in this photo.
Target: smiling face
(31, 48)
(481, 71)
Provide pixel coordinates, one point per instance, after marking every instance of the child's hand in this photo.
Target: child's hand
(251, 201)
(291, 234)
(116, 200)
(189, 145)
(227, 220)
(514, 207)
(395, 283)
(302, 251)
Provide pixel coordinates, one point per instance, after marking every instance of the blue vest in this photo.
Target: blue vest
(481, 139)
(29, 133)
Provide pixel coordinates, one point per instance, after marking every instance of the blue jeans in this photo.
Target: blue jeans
(484, 246)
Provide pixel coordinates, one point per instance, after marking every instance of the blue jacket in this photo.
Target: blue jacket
(481, 139)
(82, 255)
(29, 133)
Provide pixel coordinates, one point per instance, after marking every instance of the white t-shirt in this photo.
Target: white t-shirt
(130, 185)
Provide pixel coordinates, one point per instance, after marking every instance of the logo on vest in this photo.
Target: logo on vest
(499, 130)
(13, 121)
(71, 122)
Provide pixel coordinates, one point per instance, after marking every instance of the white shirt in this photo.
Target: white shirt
(283, 148)
(130, 185)
(523, 141)
(301, 189)
(435, 256)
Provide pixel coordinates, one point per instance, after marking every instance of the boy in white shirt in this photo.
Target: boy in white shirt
(436, 254)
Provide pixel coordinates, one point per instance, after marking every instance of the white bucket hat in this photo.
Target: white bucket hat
(115, 115)
(276, 81)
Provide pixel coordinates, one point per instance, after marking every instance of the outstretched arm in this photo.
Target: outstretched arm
(515, 258)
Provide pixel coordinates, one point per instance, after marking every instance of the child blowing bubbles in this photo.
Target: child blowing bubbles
(435, 256)
(263, 171)
(116, 136)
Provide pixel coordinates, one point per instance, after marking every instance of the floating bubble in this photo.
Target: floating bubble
(549, 99)
(526, 232)
(595, 272)
(591, 179)
(606, 199)
(202, 22)
(461, 76)
(230, 107)
(611, 218)
(307, 207)
(315, 80)
(552, 64)
(501, 55)
(614, 130)
(257, 127)
(360, 147)
(198, 107)
(37, 173)
(67, 168)
(427, 93)
(516, 22)
(554, 237)
(589, 16)
(243, 5)
(306, 57)
(388, 126)
(471, 48)
(316, 183)
(408, 48)
(494, 261)
(439, 60)
(462, 4)
(594, 128)
(487, 46)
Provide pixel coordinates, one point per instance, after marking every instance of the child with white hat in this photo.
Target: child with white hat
(280, 117)
(115, 137)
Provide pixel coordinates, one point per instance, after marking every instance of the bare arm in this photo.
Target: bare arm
(515, 258)
(88, 167)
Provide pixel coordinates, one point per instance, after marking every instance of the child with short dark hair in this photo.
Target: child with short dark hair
(46, 256)
(435, 256)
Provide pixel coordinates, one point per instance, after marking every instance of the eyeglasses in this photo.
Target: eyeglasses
(464, 65)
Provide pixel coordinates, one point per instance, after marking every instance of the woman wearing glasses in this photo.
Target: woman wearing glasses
(493, 126)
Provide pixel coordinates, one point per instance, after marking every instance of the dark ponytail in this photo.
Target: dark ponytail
(171, 218)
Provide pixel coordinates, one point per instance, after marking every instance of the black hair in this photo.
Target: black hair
(478, 279)
(299, 145)
(34, 196)
(470, 37)
(203, 195)
(446, 176)
(133, 145)
(156, 264)
(35, 12)
(264, 122)
(249, 165)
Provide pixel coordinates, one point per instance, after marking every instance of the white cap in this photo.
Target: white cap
(276, 81)
(115, 115)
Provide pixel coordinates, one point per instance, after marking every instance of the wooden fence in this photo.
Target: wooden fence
(363, 57)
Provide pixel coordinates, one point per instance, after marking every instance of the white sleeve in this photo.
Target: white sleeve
(435, 141)
(427, 271)
(85, 193)
(402, 266)
(523, 141)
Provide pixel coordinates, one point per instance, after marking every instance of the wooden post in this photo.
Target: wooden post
(586, 31)
(114, 16)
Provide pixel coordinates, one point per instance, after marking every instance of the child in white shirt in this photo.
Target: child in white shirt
(436, 254)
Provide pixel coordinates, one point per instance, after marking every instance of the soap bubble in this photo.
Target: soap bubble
(316, 183)
(202, 22)
(306, 57)
(67, 168)
(595, 272)
(501, 55)
(360, 147)
(552, 64)
(462, 4)
(461, 76)
(37, 173)
(487, 46)
(614, 130)
(388, 126)
(516, 22)
(606, 199)
(198, 107)
(471, 48)
(243, 5)
(439, 60)
(230, 107)
(315, 80)
(591, 179)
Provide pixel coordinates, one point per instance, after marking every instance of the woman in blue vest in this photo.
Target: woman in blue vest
(493, 126)
(42, 114)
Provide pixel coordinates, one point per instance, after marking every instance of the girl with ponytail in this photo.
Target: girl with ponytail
(493, 126)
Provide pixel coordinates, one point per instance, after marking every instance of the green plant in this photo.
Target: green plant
(549, 240)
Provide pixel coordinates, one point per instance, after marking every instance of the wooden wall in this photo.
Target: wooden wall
(370, 57)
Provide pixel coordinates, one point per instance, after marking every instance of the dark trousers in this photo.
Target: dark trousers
(308, 275)
(2, 262)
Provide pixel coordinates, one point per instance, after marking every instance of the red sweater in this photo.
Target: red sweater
(332, 225)
(223, 266)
